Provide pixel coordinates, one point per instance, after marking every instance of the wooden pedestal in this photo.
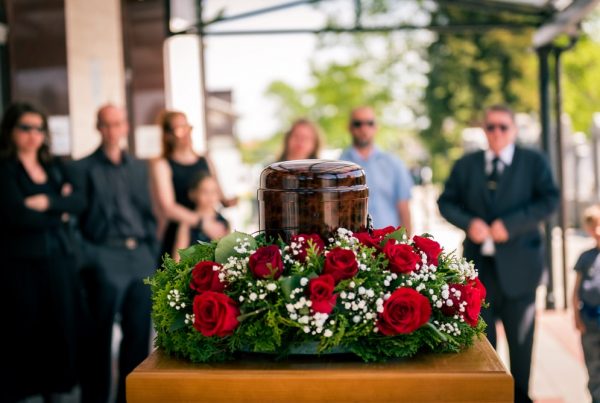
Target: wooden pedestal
(475, 375)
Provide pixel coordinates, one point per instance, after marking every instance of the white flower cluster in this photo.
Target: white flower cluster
(421, 275)
(189, 318)
(465, 269)
(258, 291)
(443, 298)
(344, 239)
(174, 298)
(235, 268)
(242, 245)
(290, 253)
(362, 303)
(363, 261)
(299, 311)
(450, 328)
(461, 306)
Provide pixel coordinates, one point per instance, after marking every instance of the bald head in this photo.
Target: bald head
(363, 127)
(111, 122)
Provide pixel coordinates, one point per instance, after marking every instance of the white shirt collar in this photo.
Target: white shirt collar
(506, 156)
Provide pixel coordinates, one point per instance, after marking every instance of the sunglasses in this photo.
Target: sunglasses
(491, 127)
(29, 128)
(358, 123)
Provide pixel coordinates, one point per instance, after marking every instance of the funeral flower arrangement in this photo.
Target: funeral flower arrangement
(378, 295)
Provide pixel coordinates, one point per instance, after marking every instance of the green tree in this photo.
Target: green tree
(337, 89)
(469, 71)
(581, 69)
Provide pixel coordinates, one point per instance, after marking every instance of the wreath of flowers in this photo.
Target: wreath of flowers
(378, 295)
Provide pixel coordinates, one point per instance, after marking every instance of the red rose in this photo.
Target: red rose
(402, 258)
(341, 264)
(467, 304)
(374, 238)
(206, 278)
(321, 293)
(266, 262)
(304, 242)
(404, 311)
(215, 314)
(475, 283)
(431, 248)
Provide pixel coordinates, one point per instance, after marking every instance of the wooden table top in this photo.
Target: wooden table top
(476, 374)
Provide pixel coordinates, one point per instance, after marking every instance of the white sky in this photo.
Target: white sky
(248, 64)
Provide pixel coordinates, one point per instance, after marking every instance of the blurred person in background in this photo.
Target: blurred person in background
(172, 174)
(388, 179)
(302, 141)
(586, 301)
(119, 240)
(204, 194)
(40, 294)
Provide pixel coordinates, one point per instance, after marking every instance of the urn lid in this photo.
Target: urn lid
(313, 175)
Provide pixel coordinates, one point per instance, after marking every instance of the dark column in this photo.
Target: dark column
(562, 213)
(549, 149)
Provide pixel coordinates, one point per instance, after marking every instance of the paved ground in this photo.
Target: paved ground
(558, 369)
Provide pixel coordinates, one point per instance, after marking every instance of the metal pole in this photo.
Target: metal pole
(595, 131)
(559, 150)
(547, 146)
(204, 92)
(168, 18)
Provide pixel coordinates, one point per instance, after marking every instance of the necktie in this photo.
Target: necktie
(494, 176)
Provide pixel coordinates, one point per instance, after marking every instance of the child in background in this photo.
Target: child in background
(586, 301)
(205, 195)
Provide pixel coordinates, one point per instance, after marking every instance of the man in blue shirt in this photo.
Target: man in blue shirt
(388, 179)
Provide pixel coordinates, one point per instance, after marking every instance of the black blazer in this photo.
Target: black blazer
(526, 195)
(94, 221)
(27, 233)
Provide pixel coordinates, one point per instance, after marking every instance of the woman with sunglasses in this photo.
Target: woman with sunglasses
(39, 290)
(172, 174)
(301, 141)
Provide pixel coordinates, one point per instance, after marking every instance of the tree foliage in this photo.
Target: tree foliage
(337, 89)
(465, 71)
(469, 71)
(581, 69)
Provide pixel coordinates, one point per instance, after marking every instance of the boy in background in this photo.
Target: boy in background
(586, 301)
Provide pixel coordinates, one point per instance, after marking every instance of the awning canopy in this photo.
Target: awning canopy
(551, 18)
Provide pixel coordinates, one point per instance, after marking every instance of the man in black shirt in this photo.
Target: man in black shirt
(118, 229)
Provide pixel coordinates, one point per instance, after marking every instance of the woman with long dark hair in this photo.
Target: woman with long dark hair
(39, 290)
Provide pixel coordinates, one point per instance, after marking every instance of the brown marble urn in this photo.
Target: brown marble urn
(312, 197)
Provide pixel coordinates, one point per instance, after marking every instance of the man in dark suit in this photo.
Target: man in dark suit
(118, 229)
(499, 197)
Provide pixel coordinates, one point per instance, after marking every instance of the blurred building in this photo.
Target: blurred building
(71, 56)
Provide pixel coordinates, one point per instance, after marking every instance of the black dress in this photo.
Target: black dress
(196, 233)
(182, 177)
(38, 291)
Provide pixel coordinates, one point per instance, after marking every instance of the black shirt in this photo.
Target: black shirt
(118, 199)
(125, 219)
(588, 265)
